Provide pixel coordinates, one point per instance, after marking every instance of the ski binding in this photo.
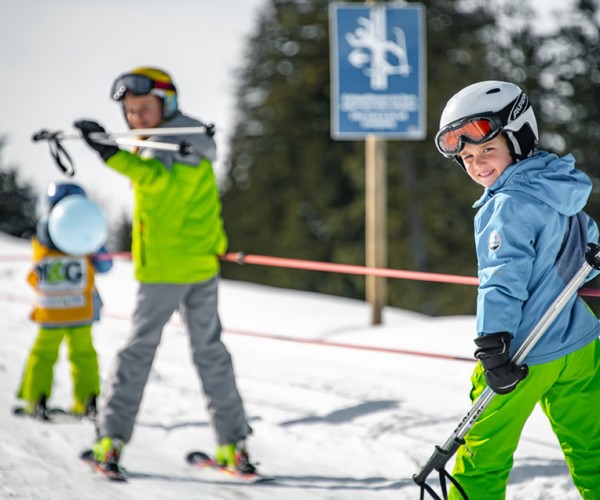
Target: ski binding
(202, 461)
(111, 472)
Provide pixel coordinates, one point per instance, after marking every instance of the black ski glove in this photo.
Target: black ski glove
(501, 374)
(87, 127)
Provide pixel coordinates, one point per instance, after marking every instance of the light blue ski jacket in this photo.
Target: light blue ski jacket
(530, 237)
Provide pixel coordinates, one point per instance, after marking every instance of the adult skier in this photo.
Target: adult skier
(177, 238)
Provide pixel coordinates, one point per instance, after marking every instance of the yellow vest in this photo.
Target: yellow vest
(63, 286)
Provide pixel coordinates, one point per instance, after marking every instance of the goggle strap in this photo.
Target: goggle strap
(163, 85)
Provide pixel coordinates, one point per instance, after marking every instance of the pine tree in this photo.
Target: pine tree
(18, 202)
(292, 191)
(570, 84)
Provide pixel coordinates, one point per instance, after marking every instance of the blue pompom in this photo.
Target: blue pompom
(77, 226)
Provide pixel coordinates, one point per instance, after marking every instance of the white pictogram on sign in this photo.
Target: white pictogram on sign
(370, 49)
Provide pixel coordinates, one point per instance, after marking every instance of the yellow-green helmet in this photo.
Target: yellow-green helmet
(147, 80)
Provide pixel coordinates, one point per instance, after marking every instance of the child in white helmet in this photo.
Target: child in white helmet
(531, 233)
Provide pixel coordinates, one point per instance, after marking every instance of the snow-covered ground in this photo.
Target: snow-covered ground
(330, 422)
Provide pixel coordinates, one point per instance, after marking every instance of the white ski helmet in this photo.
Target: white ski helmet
(480, 112)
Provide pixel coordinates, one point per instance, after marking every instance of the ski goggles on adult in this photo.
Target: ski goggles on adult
(136, 85)
(473, 130)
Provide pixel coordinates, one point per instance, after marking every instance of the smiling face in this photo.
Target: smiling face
(486, 162)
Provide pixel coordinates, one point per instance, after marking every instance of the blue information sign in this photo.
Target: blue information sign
(377, 71)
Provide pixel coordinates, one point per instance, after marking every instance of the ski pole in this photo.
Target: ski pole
(208, 129)
(443, 453)
(182, 147)
(44, 134)
(121, 138)
(131, 137)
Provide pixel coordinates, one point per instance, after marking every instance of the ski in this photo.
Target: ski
(204, 462)
(52, 415)
(40, 414)
(110, 472)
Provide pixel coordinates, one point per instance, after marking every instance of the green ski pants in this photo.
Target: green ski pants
(38, 373)
(568, 390)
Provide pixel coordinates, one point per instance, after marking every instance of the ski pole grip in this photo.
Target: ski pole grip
(42, 135)
(102, 138)
(592, 256)
(437, 461)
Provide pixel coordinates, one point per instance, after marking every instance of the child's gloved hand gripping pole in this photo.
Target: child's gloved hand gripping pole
(443, 453)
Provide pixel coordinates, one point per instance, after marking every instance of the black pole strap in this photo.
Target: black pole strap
(443, 476)
(61, 157)
(426, 488)
(454, 482)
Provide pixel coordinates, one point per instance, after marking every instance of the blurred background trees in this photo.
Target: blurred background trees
(18, 201)
(292, 191)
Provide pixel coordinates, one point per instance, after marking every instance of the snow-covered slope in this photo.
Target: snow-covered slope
(330, 422)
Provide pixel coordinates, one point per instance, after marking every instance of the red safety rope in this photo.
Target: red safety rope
(311, 265)
(22, 299)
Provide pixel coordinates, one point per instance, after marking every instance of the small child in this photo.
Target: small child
(67, 303)
(530, 237)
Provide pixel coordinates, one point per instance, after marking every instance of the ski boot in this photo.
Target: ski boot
(88, 409)
(107, 452)
(235, 456)
(37, 410)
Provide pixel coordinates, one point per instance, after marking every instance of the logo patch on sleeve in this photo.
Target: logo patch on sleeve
(494, 241)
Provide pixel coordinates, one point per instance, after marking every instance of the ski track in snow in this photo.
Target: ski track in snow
(329, 423)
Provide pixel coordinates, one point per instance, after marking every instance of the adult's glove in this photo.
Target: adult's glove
(501, 374)
(88, 127)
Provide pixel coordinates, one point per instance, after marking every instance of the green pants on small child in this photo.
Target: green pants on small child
(39, 369)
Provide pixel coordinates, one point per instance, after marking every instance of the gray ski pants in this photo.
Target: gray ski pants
(124, 388)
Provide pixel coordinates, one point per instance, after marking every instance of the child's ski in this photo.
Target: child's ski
(202, 461)
(54, 415)
(110, 472)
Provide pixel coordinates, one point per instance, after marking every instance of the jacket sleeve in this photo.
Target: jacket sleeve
(148, 172)
(505, 236)
(199, 147)
(102, 261)
(43, 234)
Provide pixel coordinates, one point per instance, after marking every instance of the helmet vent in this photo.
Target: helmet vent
(493, 91)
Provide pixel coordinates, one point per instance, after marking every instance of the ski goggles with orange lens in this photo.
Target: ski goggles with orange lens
(473, 130)
(136, 85)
